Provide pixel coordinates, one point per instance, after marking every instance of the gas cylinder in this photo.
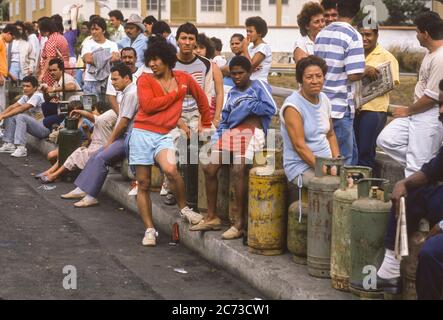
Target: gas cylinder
(297, 234)
(341, 224)
(409, 264)
(189, 171)
(267, 211)
(320, 194)
(369, 220)
(69, 139)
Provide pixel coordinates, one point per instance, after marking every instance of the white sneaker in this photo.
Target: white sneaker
(7, 148)
(190, 215)
(133, 191)
(20, 152)
(150, 238)
(163, 191)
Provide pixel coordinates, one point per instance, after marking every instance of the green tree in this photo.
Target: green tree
(403, 12)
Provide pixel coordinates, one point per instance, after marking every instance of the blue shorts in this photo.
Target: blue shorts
(145, 145)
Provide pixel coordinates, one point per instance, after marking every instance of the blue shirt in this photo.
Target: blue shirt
(316, 125)
(341, 46)
(140, 44)
(434, 168)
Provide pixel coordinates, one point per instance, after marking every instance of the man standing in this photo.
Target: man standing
(20, 119)
(8, 34)
(135, 38)
(163, 29)
(341, 46)
(93, 176)
(423, 191)
(128, 57)
(415, 136)
(116, 19)
(331, 13)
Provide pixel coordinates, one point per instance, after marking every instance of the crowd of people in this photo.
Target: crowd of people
(156, 89)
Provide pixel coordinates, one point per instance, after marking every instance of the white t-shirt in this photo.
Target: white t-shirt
(89, 46)
(431, 73)
(110, 90)
(69, 96)
(264, 49)
(220, 61)
(36, 101)
(304, 43)
(15, 51)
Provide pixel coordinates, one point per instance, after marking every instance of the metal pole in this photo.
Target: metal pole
(159, 7)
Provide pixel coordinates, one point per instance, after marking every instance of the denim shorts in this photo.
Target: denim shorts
(145, 145)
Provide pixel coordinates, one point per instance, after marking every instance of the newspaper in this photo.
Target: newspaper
(367, 90)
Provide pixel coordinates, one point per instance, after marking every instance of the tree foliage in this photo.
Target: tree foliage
(403, 12)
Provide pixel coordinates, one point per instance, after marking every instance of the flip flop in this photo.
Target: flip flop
(45, 180)
(38, 176)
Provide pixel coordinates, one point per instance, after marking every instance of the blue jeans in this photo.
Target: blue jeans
(344, 130)
(19, 125)
(367, 126)
(429, 281)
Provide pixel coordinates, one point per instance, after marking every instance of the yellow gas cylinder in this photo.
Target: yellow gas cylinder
(156, 179)
(267, 211)
(409, 263)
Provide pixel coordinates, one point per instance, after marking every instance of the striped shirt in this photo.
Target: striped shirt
(342, 48)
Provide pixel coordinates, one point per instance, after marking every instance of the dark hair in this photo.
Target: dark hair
(361, 26)
(187, 28)
(58, 62)
(23, 34)
(160, 27)
(101, 106)
(239, 36)
(129, 49)
(85, 23)
(122, 69)
(259, 24)
(160, 48)
(441, 85)
(93, 16)
(241, 61)
(75, 105)
(149, 20)
(431, 23)
(309, 10)
(32, 80)
(45, 24)
(304, 63)
(12, 29)
(116, 14)
(58, 22)
(101, 23)
(204, 41)
(29, 28)
(218, 44)
(348, 8)
(329, 4)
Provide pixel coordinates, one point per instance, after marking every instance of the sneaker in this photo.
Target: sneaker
(20, 152)
(7, 148)
(150, 238)
(190, 215)
(164, 191)
(134, 189)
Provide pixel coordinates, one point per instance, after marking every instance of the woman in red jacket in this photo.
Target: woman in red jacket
(160, 97)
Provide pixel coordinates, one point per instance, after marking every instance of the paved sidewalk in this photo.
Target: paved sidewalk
(277, 277)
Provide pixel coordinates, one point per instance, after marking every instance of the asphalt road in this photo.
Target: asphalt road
(41, 234)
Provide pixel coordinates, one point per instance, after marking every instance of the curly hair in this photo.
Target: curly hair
(161, 49)
(309, 10)
(259, 24)
(204, 41)
(304, 63)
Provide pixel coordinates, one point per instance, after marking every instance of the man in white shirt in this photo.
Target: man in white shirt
(20, 118)
(415, 135)
(116, 18)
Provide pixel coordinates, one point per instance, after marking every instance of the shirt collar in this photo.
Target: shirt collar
(377, 51)
(129, 87)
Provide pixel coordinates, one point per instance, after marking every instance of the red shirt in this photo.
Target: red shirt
(55, 47)
(159, 111)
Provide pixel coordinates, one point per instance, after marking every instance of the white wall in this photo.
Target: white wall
(267, 12)
(211, 17)
(87, 9)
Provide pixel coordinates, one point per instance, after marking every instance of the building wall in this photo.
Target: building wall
(205, 17)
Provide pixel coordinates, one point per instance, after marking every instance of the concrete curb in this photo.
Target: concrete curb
(277, 277)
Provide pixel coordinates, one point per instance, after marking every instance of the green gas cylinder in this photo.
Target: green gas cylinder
(341, 224)
(69, 139)
(320, 196)
(369, 220)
